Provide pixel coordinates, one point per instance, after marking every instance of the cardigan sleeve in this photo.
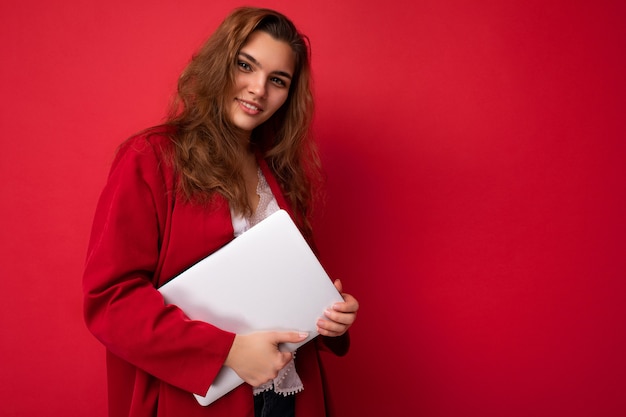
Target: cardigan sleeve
(122, 307)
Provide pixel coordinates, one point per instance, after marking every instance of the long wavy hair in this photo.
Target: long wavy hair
(208, 151)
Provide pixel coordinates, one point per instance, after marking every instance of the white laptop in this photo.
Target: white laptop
(268, 278)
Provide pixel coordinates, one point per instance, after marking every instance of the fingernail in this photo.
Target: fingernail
(303, 334)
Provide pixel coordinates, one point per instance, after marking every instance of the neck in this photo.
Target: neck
(244, 137)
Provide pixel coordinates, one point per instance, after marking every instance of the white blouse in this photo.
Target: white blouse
(287, 382)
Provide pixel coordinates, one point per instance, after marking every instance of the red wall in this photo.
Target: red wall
(475, 153)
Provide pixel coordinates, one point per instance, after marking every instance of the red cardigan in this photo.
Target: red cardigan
(142, 236)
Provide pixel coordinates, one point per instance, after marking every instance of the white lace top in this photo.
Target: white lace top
(287, 382)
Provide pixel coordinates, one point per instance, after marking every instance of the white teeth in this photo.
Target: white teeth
(248, 105)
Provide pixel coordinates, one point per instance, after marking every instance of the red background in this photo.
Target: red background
(475, 153)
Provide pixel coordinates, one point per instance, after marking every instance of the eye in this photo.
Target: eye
(244, 66)
(278, 81)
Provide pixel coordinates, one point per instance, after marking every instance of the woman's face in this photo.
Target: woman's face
(265, 68)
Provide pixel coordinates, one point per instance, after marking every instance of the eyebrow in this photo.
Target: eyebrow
(258, 64)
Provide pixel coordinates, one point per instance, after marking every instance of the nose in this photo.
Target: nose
(257, 86)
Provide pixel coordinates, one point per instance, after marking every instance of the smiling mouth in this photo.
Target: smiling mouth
(249, 106)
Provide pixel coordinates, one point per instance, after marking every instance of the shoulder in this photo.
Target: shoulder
(151, 149)
(156, 142)
(146, 157)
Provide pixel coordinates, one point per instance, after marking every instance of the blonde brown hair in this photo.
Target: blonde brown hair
(208, 151)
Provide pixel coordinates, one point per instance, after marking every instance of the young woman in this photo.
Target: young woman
(235, 148)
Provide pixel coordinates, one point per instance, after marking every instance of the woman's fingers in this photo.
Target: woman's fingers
(255, 357)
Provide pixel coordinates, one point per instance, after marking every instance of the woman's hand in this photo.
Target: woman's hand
(340, 316)
(255, 357)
